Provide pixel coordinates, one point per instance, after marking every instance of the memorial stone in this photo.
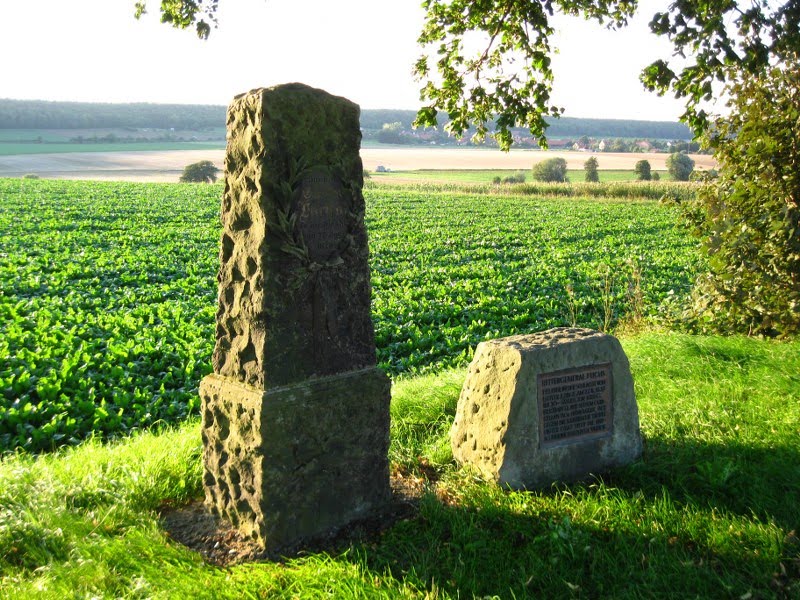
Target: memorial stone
(296, 414)
(553, 406)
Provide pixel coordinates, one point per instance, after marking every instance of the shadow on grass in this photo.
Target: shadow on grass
(737, 478)
(486, 549)
(692, 520)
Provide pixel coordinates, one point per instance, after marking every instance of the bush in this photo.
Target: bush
(680, 166)
(516, 178)
(642, 170)
(748, 219)
(30, 176)
(704, 176)
(200, 172)
(590, 170)
(391, 133)
(551, 170)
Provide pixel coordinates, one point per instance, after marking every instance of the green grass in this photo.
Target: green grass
(108, 290)
(708, 512)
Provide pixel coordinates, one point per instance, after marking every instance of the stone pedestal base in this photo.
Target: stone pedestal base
(299, 461)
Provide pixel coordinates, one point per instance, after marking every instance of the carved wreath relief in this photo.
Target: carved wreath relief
(321, 204)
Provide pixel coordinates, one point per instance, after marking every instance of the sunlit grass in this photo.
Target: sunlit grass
(707, 512)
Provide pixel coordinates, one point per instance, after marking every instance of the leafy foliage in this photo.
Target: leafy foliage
(185, 13)
(590, 170)
(200, 172)
(719, 40)
(680, 166)
(749, 218)
(108, 291)
(642, 170)
(508, 79)
(551, 170)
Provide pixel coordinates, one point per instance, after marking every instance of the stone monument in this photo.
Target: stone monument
(551, 406)
(295, 417)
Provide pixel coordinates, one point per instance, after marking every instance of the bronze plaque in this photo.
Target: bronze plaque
(322, 206)
(574, 405)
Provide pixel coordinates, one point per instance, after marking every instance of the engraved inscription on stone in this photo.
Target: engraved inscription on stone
(322, 208)
(574, 405)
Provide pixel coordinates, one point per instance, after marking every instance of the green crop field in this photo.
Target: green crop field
(109, 290)
(107, 300)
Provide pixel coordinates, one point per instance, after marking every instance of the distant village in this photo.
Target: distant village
(400, 134)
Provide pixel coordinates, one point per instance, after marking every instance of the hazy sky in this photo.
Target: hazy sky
(94, 50)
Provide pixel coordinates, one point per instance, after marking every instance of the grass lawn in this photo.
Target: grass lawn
(711, 510)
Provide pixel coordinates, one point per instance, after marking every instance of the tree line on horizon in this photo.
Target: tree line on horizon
(41, 114)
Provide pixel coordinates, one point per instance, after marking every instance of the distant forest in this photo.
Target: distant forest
(565, 127)
(39, 114)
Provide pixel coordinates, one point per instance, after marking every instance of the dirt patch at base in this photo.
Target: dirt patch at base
(221, 544)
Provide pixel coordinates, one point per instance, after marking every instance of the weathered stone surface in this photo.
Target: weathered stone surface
(552, 406)
(296, 416)
(298, 461)
(294, 288)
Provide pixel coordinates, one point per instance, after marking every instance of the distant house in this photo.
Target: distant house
(602, 146)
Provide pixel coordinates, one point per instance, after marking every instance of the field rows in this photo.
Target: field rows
(108, 290)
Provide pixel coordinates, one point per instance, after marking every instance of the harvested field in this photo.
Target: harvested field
(167, 166)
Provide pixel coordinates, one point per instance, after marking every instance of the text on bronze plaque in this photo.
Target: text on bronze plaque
(574, 404)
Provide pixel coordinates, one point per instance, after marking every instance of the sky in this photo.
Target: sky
(95, 51)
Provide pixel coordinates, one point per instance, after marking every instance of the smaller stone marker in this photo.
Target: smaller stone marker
(552, 406)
